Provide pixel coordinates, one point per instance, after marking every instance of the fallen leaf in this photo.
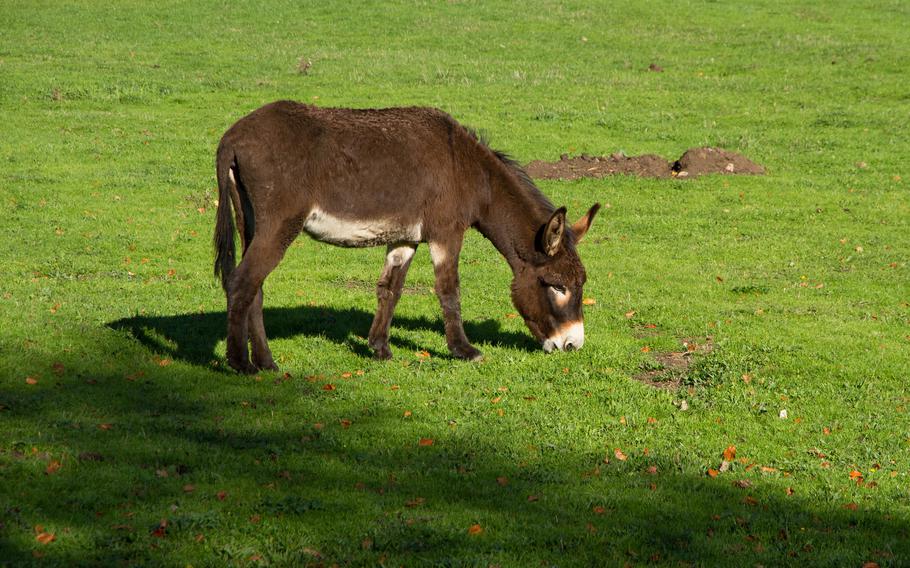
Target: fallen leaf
(589, 301)
(619, 455)
(189, 488)
(826, 431)
(645, 349)
(502, 481)
(345, 423)
(630, 314)
(730, 453)
(747, 378)
(255, 519)
(52, 467)
(652, 470)
(495, 400)
(106, 426)
(328, 387)
(652, 420)
(533, 498)
(475, 530)
(712, 472)
(45, 537)
(790, 491)
(164, 362)
(31, 380)
(407, 413)
(416, 502)
(742, 483)
(222, 495)
(394, 387)
(346, 375)
(851, 506)
(199, 537)
(58, 368)
(425, 442)
(599, 510)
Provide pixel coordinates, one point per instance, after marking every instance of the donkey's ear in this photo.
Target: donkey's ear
(582, 225)
(551, 233)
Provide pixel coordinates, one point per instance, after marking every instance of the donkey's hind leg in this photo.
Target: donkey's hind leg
(388, 291)
(245, 297)
(262, 355)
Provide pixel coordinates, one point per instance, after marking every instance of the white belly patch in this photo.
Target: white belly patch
(334, 230)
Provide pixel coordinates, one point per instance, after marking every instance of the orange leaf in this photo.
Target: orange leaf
(345, 423)
(495, 400)
(394, 387)
(599, 510)
(630, 314)
(52, 467)
(45, 538)
(855, 474)
(826, 431)
(222, 495)
(328, 387)
(619, 455)
(533, 498)
(652, 420)
(425, 442)
(59, 369)
(790, 491)
(475, 530)
(407, 413)
(589, 301)
(416, 502)
(189, 488)
(502, 481)
(106, 426)
(645, 349)
(345, 375)
(31, 380)
(164, 362)
(730, 453)
(712, 473)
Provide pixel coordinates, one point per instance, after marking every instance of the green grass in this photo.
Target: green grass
(110, 117)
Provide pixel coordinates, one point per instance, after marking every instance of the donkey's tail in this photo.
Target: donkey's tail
(225, 251)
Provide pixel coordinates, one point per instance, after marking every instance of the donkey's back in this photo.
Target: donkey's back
(354, 177)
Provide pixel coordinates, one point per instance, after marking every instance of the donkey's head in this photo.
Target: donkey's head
(548, 290)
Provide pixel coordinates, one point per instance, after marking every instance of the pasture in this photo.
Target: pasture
(741, 397)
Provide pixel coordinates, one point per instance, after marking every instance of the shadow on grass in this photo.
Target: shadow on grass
(360, 490)
(192, 337)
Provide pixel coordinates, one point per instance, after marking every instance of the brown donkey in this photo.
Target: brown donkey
(394, 177)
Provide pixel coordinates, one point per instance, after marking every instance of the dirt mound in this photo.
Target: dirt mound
(693, 163)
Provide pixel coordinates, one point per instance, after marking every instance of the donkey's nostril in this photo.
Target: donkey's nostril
(569, 346)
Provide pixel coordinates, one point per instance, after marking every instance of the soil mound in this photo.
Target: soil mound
(693, 163)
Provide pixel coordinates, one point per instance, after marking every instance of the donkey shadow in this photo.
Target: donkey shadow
(192, 337)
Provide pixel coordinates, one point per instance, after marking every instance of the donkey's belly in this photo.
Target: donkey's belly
(343, 232)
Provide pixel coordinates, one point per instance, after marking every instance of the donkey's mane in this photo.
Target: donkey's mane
(524, 180)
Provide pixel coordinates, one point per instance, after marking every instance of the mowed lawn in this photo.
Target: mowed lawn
(786, 441)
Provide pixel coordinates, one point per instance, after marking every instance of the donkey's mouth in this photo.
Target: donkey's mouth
(569, 337)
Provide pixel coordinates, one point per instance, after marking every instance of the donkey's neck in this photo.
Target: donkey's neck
(513, 216)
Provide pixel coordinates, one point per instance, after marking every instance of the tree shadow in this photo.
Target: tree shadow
(192, 337)
(365, 493)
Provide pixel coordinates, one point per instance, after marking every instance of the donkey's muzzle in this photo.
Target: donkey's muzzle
(569, 337)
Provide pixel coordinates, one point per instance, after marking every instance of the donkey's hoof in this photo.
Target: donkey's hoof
(469, 353)
(265, 365)
(243, 367)
(382, 354)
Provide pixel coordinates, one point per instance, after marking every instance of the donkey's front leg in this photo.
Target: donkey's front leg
(445, 264)
(388, 291)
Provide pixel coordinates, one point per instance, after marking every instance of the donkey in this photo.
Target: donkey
(394, 177)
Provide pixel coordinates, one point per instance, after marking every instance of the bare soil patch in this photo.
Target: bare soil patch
(672, 366)
(693, 163)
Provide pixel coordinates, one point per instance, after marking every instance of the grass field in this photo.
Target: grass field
(123, 441)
